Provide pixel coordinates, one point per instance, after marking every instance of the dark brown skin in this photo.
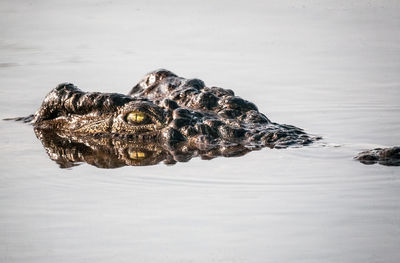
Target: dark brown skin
(163, 117)
(385, 156)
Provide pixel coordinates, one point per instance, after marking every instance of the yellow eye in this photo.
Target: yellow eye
(136, 155)
(135, 117)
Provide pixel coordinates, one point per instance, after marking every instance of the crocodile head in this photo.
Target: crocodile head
(174, 112)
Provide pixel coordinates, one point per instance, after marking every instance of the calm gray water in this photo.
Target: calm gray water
(331, 68)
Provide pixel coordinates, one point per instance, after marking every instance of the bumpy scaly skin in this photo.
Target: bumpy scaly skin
(385, 156)
(68, 109)
(211, 116)
(181, 110)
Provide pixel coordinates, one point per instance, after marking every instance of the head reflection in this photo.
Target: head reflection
(106, 152)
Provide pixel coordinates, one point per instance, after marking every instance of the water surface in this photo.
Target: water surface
(332, 69)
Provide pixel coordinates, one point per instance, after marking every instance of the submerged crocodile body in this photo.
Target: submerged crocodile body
(163, 117)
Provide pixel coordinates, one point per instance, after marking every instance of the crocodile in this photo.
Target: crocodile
(163, 118)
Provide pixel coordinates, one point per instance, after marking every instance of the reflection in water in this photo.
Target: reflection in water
(107, 152)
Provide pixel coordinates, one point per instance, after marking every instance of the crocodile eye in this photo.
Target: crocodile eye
(135, 155)
(136, 117)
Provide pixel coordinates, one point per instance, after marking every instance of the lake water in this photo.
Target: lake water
(331, 68)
